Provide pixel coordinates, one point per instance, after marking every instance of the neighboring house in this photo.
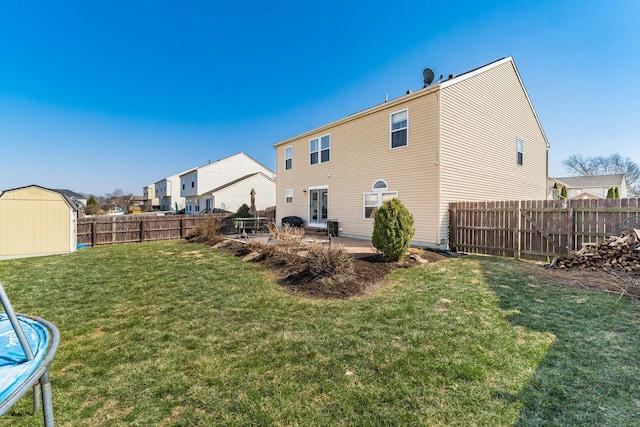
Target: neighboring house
(80, 199)
(167, 191)
(197, 185)
(232, 195)
(588, 187)
(150, 201)
(472, 137)
(36, 221)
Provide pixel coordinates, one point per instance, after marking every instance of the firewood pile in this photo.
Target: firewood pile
(617, 253)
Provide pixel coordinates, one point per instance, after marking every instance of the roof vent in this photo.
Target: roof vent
(452, 76)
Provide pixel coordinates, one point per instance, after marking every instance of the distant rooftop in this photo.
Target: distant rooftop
(70, 193)
(592, 181)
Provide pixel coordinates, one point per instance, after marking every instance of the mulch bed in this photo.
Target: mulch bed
(292, 273)
(371, 271)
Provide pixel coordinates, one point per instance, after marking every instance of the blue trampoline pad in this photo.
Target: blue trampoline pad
(15, 369)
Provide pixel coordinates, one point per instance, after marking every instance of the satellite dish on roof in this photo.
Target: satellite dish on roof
(428, 76)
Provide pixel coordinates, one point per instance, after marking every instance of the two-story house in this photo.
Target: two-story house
(150, 201)
(167, 190)
(471, 137)
(226, 184)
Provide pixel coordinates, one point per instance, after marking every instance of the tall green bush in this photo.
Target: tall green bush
(392, 229)
(243, 211)
(563, 193)
(610, 193)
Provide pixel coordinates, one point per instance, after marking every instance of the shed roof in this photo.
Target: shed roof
(67, 199)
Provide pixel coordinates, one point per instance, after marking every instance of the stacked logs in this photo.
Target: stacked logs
(617, 253)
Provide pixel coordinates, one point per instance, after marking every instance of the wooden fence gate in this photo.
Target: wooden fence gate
(537, 229)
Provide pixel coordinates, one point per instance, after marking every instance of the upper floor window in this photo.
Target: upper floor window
(399, 128)
(320, 150)
(520, 150)
(288, 158)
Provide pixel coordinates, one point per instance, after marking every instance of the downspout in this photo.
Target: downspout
(438, 165)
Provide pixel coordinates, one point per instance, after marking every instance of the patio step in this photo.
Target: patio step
(315, 230)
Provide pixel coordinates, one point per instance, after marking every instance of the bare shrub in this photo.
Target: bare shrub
(206, 231)
(330, 262)
(269, 251)
(288, 239)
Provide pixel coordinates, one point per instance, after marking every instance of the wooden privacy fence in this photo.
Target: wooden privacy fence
(108, 230)
(537, 229)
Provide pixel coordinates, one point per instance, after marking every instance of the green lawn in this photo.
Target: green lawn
(179, 334)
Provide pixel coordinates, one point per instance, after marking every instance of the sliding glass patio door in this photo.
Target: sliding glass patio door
(318, 206)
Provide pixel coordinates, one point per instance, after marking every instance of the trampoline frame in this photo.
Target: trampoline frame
(39, 379)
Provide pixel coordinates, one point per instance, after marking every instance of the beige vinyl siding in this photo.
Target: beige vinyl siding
(360, 155)
(482, 117)
(35, 221)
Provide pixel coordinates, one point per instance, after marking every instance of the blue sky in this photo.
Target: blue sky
(98, 96)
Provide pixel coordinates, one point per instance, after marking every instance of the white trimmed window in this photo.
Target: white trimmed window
(520, 149)
(288, 195)
(288, 158)
(375, 198)
(320, 150)
(400, 129)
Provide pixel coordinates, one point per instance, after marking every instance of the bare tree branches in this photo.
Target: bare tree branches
(606, 165)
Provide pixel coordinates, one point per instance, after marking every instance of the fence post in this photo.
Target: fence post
(452, 226)
(516, 230)
(571, 245)
(142, 227)
(94, 233)
(114, 229)
(182, 228)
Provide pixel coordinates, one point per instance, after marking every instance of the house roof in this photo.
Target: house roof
(591, 181)
(422, 92)
(583, 196)
(225, 158)
(169, 178)
(70, 193)
(235, 181)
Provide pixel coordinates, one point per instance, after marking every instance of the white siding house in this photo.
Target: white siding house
(588, 187)
(151, 202)
(167, 191)
(231, 196)
(198, 185)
